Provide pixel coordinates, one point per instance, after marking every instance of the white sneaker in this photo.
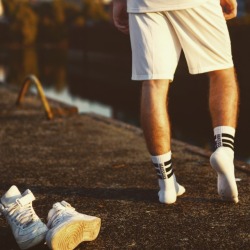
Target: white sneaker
(26, 226)
(68, 228)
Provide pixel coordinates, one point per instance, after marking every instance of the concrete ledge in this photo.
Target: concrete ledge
(102, 168)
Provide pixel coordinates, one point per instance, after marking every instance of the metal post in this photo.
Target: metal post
(32, 79)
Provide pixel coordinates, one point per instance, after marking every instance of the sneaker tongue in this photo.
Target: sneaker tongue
(56, 207)
(11, 196)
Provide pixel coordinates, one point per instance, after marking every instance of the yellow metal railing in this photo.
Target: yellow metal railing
(32, 79)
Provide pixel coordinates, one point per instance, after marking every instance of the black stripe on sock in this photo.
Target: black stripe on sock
(167, 162)
(158, 168)
(168, 169)
(222, 140)
(227, 145)
(169, 175)
(228, 142)
(225, 135)
(228, 136)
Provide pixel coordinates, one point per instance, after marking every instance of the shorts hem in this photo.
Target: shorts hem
(212, 68)
(152, 77)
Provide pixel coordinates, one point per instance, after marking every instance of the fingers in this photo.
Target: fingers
(229, 8)
(229, 14)
(120, 16)
(123, 28)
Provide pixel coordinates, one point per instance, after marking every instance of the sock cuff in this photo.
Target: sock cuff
(224, 129)
(161, 158)
(224, 137)
(163, 165)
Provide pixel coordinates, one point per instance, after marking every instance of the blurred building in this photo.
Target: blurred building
(3, 20)
(1, 8)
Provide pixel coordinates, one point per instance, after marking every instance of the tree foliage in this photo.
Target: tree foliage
(22, 21)
(49, 22)
(94, 10)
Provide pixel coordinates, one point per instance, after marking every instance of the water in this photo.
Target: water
(98, 81)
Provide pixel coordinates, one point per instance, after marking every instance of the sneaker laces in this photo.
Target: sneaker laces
(21, 212)
(22, 215)
(59, 210)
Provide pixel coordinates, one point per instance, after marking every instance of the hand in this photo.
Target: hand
(120, 15)
(229, 8)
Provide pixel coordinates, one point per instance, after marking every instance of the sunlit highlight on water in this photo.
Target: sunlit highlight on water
(83, 105)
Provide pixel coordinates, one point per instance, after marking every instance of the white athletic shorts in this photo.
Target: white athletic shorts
(157, 39)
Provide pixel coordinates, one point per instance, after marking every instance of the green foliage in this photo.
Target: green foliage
(94, 10)
(23, 21)
(49, 22)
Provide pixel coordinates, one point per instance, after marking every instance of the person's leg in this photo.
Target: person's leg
(223, 97)
(156, 127)
(223, 103)
(155, 55)
(154, 116)
(207, 48)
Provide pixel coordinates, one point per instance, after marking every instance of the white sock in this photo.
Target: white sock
(222, 161)
(169, 188)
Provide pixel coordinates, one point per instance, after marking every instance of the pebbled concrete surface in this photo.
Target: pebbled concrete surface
(102, 168)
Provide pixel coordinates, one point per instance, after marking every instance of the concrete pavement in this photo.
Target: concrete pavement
(102, 168)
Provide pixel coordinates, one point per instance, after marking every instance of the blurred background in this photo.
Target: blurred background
(81, 59)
